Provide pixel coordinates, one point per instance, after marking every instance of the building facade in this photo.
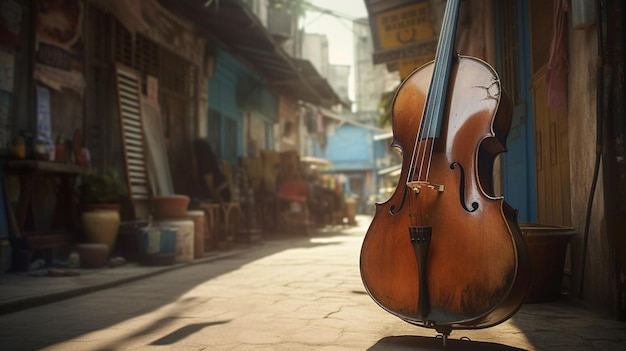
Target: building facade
(211, 73)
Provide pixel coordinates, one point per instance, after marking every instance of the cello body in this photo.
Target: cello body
(446, 253)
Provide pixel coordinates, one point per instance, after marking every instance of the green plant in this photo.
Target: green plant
(102, 188)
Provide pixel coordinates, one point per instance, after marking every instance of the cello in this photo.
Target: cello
(443, 252)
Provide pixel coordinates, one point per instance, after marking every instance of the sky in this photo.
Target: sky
(337, 30)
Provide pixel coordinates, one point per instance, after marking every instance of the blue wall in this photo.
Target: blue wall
(233, 90)
(353, 151)
(350, 148)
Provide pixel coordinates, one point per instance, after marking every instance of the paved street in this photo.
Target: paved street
(298, 293)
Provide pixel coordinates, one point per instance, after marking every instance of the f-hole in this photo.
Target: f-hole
(474, 205)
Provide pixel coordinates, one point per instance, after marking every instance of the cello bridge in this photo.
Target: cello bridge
(417, 186)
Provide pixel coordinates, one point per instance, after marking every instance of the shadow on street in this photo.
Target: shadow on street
(416, 343)
(46, 325)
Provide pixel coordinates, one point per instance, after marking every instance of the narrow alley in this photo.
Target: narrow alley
(288, 293)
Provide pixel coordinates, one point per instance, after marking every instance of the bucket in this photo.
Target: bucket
(184, 237)
(198, 237)
(157, 240)
(127, 243)
(92, 255)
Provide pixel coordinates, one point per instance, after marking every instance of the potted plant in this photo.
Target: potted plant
(100, 196)
(102, 190)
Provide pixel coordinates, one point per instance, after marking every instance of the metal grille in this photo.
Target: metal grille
(175, 74)
(123, 44)
(99, 36)
(100, 129)
(146, 59)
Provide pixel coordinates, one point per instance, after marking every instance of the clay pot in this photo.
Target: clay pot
(170, 206)
(92, 255)
(100, 225)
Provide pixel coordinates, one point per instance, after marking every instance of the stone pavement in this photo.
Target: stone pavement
(290, 293)
(20, 291)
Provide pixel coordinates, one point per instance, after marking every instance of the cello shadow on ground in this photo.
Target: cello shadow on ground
(416, 343)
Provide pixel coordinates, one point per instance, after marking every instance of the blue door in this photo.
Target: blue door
(513, 64)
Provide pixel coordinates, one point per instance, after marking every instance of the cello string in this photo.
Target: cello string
(443, 66)
(425, 126)
(436, 117)
(412, 165)
(435, 101)
(416, 149)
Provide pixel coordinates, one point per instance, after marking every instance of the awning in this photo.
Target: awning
(233, 25)
(316, 161)
(383, 136)
(319, 83)
(392, 171)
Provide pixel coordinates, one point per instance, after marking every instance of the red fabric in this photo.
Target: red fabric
(558, 65)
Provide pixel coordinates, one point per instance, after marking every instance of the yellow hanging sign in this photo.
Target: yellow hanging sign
(404, 25)
(408, 65)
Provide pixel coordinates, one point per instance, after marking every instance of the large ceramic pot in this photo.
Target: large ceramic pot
(547, 248)
(170, 206)
(100, 224)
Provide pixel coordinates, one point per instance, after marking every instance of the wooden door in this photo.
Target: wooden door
(551, 127)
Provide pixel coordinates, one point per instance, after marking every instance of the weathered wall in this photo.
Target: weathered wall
(599, 279)
(286, 131)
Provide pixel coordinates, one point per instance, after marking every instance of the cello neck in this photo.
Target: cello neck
(437, 93)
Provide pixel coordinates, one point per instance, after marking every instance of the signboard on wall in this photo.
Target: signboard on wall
(59, 44)
(408, 65)
(402, 30)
